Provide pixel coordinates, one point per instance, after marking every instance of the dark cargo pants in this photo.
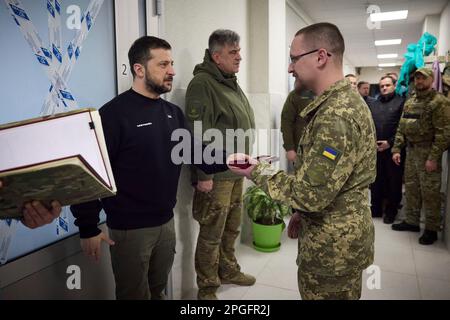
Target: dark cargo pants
(141, 261)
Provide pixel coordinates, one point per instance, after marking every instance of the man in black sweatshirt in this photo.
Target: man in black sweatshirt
(386, 112)
(138, 125)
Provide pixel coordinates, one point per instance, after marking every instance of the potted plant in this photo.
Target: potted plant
(267, 217)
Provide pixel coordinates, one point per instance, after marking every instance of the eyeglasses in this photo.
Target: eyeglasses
(294, 59)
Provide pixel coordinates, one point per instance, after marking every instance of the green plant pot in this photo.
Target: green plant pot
(267, 238)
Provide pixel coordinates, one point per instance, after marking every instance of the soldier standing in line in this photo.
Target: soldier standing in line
(292, 125)
(353, 80)
(364, 89)
(330, 188)
(424, 129)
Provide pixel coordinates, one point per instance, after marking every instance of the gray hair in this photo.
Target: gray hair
(219, 38)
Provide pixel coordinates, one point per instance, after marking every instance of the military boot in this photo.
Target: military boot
(403, 226)
(390, 214)
(240, 279)
(388, 219)
(428, 237)
(207, 294)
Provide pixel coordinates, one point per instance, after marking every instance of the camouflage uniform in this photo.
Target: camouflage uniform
(219, 215)
(330, 190)
(446, 81)
(424, 129)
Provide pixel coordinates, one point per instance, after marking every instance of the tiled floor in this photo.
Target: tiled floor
(408, 269)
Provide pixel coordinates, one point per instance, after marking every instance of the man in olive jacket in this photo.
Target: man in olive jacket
(215, 100)
(292, 125)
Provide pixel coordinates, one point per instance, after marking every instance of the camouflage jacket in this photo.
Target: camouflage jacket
(292, 125)
(337, 156)
(425, 118)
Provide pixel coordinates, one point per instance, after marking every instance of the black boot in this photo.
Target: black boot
(390, 213)
(376, 212)
(389, 219)
(403, 226)
(428, 237)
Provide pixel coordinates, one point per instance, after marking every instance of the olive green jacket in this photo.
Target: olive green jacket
(292, 125)
(216, 100)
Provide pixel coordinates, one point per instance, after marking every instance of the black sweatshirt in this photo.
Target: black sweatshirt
(386, 113)
(138, 133)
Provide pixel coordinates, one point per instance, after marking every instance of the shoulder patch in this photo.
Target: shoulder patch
(194, 113)
(330, 153)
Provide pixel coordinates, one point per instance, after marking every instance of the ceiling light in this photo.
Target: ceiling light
(391, 15)
(387, 42)
(393, 64)
(387, 55)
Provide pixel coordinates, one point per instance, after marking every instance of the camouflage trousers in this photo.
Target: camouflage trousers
(422, 188)
(219, 215)
(313, 286)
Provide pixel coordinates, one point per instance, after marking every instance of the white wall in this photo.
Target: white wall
(188, 25)
(295, 20)
(373, 74)
(444, 31)
(431, 25)
(128, 29)
(277, 51)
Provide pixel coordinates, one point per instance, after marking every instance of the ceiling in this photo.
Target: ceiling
(351, 18)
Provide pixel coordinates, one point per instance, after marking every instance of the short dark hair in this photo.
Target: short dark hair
(140, 50)
(389, 73)
(393, 73)
(324, 35)
(387, 77)
(361, 83)
(219, 38)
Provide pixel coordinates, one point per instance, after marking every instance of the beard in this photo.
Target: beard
(299, 85)
(422, 87)
(157, 88)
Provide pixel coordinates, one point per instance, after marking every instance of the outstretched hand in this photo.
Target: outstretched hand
(241, 164)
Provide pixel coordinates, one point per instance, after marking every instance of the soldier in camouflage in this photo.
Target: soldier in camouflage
(215, 99)
(424, 129)
(330, 188)
(292, 125)
(446, 81)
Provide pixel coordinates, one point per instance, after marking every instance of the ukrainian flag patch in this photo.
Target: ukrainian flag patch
(330, 153)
